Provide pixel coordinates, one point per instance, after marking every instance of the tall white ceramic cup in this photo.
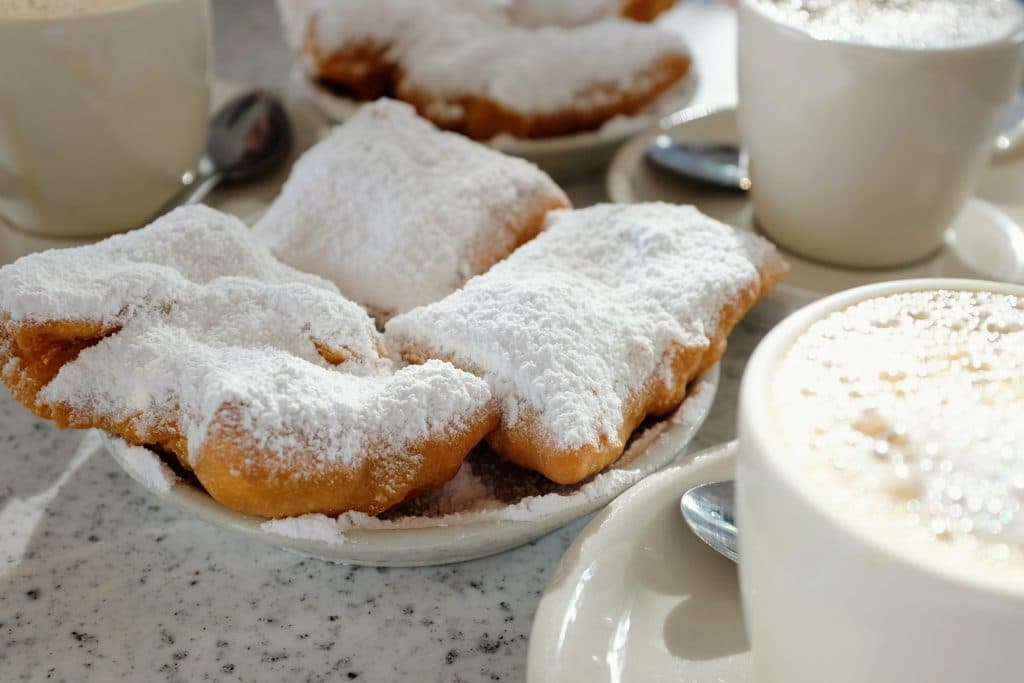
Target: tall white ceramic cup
(829, 600)
(101, 113)
(862, 155)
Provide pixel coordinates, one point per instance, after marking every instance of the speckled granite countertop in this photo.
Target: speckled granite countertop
(100, 582)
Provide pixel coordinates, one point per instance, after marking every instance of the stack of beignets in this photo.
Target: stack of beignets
(278, 393)
(265, 382)
(597, 323)
(397, 213)
(468, 68)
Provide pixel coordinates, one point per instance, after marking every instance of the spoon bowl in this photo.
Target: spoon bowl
(249, 137)
(719, 163)
(709, 511)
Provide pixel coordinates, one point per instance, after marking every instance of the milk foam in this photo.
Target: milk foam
(42, 9)
(906, 413)
(900, 23)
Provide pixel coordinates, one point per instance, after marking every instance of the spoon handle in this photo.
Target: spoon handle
(196, 192)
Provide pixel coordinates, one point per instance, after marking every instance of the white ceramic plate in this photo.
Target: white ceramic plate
(638, 598)
(566, 157)
(426, 541)
(981, 243)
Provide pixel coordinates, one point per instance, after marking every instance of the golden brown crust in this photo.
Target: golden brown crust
(232, 469)
(32, 354)
(361, 69)
(230, 465)
(527, 444)
(521, 231)
(645, 10)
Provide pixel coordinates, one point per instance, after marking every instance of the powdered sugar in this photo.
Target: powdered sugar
(398, 213)
(535, 71)
(145, 467)
(455, 49)
(295, 368)
(105, 282)
(485, 507)
(575, 323)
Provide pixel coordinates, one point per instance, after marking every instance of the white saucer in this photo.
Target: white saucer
(637, 597)
(565, 157)
(426, 540)
(983, 234)
(247, 201)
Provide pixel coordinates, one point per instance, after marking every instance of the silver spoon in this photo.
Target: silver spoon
(249, 136)
(709, 512)
(721, 164)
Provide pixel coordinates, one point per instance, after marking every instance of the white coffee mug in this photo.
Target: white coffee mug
(860, 154)
(824, 598)
(101, 114)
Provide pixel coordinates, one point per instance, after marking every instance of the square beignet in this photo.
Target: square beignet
(597, 323)
(398, 214)
(266, 383)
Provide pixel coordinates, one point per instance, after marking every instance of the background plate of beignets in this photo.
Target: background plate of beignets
(264, 382)
(468, 68)
(538, 83)
(398, 214)
(597, 323)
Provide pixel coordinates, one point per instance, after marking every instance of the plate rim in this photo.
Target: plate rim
(433, 545)
(546, 635)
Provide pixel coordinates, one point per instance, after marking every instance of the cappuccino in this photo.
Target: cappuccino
(879, 485)
(45, 9)
(900, 23)
(905, 414)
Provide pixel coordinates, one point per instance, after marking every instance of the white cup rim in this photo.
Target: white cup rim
(755, 390)
(1014, 38)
